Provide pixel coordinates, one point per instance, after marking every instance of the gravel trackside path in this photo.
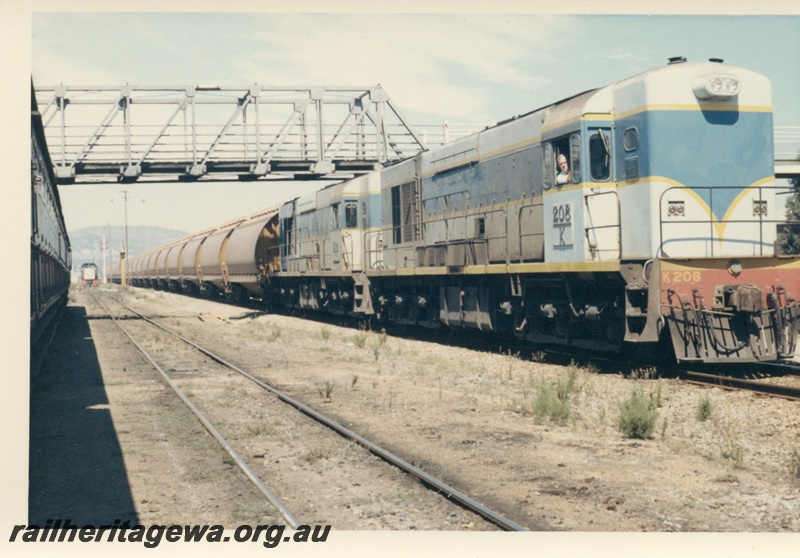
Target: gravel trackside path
(470, 418)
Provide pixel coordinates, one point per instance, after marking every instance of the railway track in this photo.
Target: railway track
(555, 355)
(782, 390)
(790, 369)
(431, 482)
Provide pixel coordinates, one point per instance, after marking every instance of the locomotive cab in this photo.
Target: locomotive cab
(695, 159)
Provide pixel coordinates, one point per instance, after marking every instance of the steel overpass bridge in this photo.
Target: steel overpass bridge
(185, 133)
(787, 152)
(127, 133)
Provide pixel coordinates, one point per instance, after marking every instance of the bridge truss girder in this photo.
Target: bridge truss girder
(123, 133)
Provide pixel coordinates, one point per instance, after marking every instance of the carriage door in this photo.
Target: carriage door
(287, 234)
(601, 200)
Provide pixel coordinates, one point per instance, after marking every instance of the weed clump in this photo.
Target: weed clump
(326, 391)
(794, 466)
(276, 333)
(731, 452)
(553, 401)
(637, 417)
(704, 409)
(548, 405)
(360, 339)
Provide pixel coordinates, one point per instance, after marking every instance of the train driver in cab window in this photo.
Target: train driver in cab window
(563, 170)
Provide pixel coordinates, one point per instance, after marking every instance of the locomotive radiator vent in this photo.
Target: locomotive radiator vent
(632, 168)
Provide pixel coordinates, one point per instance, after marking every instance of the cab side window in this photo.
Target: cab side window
(562, 161)
(547, 166)
(575, 158)
(350, 215)
(334, 216)
(600, 155)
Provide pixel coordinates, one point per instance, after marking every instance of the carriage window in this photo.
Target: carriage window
(631, 139)
(480, 227)
(350, 215)
(396, 236)
(335, 216)
(288, 227)
(600, 156)
(575, 158)
(547, 165)
(363, 215)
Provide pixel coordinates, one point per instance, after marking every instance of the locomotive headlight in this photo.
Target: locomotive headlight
(717, 86)
(675, 208)
(735, 267)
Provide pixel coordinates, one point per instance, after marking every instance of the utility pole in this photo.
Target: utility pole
(108, 244)
(127, 246)
(123, 265)
(103, 246)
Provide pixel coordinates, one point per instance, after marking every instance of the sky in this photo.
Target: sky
(468, 67)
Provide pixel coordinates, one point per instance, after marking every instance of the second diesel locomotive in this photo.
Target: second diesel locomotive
(613, 220)
(89, 275)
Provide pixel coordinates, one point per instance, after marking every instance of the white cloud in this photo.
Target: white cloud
(440, 66)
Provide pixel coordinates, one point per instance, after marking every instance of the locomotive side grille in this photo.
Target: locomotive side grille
(632, 168)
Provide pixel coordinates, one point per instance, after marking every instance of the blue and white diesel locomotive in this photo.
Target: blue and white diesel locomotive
(612, 220)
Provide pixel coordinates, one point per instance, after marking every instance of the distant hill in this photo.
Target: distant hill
(86, 242)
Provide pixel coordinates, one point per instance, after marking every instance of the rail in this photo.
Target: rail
(760, 387)
(447, 491)
(254, 478)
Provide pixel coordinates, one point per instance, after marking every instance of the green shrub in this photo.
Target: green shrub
(704, 408)
(327, 390)
(637, 417)
(382, 337)
(565, 386)
(732, 453)
(548, 405)
(553, 400)
(276, 332)
(359, 340)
